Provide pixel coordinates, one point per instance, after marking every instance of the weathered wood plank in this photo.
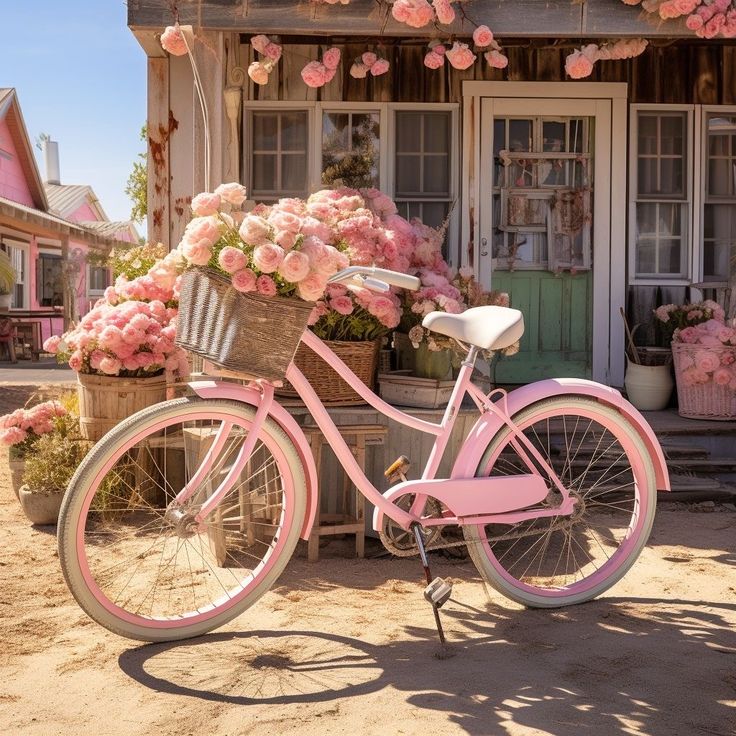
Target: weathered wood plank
(552, 18)
(160, 127)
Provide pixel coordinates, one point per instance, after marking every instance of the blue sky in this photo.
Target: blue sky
(80, 77)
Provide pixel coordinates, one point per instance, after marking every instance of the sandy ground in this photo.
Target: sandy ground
(348, 646)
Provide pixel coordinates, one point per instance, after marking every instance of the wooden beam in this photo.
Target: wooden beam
(159, 132)
(521, 18)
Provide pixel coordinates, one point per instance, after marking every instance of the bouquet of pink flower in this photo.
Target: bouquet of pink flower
(23, 427)
(676, 317)
(130, 339)
(708, 360)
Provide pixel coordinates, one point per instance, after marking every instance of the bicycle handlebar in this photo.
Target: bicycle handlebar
(367, 274)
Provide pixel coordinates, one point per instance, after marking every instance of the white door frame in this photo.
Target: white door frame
(607, 102)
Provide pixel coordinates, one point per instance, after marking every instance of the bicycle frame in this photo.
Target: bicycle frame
(460, 494)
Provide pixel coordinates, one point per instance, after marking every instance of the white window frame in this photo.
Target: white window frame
(276, 107)
(701, 132)
(25, 248)
(691, 181)
(93, 293)
(387, 153)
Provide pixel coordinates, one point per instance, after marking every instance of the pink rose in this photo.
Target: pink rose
(460, 56)
(259, 71)
(273, 52)
(51, 345)
(254, 230)
(231, 259)
(482, 36)
(202, 231)
(244, 280)
(205, 204)
(445, 11)
(110, 366)
(578, 65)
(415, 13)
(266, 286)
(282, 220)
(380, 67)
(496, 59)
(433, 60)
(294, 267)
(722, 376)
(12, 436)
(312, 287)
(267, 258)
(359, 70)
(286, 239)
(314, 74)
(172, 40)
(706, 361)
(196, 254)
(233, 193)
(260, 43)
(331, 58)
(342, 304)
(369, 59)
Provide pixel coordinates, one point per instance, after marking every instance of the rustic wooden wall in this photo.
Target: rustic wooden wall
(679, 72)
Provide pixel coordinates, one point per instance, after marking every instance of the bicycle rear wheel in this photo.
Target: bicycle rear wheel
(561, 560)
(148, 574)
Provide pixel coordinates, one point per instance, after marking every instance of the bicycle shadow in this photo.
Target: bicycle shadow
(608, 666)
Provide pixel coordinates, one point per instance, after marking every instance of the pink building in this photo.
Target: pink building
(55, 234)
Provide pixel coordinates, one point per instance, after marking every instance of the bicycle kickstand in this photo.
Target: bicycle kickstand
(437, 592)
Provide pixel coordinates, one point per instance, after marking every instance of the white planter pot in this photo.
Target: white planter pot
(5, 302)
(648, 387)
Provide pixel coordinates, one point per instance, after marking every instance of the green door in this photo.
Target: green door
(541, 229)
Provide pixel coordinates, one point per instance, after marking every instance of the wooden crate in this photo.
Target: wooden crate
(401, 389)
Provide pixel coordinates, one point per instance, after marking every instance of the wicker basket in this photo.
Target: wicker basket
(703, 400)
(360, 357)
(248, 333)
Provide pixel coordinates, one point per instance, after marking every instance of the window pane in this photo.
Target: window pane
(670, 219)
(576, 135)
(719, 231)
(264, 172)
(646, 251)
(49, 288)
(265, 131)
(647, 184)
(408, 131)
(294, 131)
(671, 180)
(520, 135)
(647, 134)
(436, 175)
(673, 134)
(553, 135)
(351, 149)
(669, 257)
(293, 173)
(646, 219)
(408, 175)
(436, 132)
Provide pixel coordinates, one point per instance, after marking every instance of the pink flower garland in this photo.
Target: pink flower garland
(317, 74)
(579, 64)
(707, 19)
(369, 63)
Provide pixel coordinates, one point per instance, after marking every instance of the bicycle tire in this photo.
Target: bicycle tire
(540, 563)
(106, 516)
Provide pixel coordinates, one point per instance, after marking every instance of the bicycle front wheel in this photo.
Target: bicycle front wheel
(561, 560)
(149, 574)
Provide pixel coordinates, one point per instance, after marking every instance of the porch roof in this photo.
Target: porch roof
(37, 222)
(560, 18)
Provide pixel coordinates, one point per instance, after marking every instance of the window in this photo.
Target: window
(351, 143)
(279, 154)
(719, 203)
(661, 194)
(423, 166)
(49, 282)
(99, 279)
(18, 255)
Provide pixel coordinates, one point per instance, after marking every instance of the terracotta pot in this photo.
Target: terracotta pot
(40, 508)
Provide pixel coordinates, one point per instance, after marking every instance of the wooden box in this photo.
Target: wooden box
(401, 389)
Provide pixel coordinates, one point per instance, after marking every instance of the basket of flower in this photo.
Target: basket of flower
(705, 370)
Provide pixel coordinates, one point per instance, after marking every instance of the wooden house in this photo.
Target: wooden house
(577, 197)
(50, 231)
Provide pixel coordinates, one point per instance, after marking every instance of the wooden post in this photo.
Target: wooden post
(159, 130)
(68, 292)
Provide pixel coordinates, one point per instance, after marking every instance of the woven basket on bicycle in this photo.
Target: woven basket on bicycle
(248, 333)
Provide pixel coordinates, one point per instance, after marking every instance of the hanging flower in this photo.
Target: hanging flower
(578, 65)
(317, 74)
(380, 67)
(433, 60)
(482, 36)
(445, 11)
(496, 59)
(359, 70)
(331, 58)
(259, 71)
(415, 13)
(460, 56)
(172, 40)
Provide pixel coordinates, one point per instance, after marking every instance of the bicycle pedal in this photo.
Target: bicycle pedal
(398, 469)
(438, 592)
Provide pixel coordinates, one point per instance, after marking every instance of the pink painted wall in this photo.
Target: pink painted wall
(83, 213)
(12, 179)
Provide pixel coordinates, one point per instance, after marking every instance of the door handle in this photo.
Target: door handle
(484, 246)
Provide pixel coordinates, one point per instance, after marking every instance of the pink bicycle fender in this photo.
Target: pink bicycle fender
(237, 392)
(486, 427)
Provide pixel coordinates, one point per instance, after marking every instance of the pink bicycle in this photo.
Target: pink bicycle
(185, 514)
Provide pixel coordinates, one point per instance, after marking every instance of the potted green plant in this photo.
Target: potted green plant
(7, 281)
(49, 468)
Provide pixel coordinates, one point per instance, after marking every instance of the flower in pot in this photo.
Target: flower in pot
(49, 468)
(21, 430)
